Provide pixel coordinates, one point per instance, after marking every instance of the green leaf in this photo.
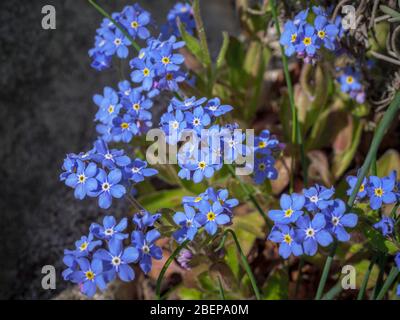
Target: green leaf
(388, 162)
(223, 51)
(361, 268)
(389, 11)
(247, 228)
(162, 199)
(192, 44)
(189, 294)
(277, 286)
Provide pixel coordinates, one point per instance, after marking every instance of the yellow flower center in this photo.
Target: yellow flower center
(262, 144)
(198, 199)
(146, 72)
(321, 34)
(379, 192)
(165, 60)
(134, 24)
(211, 216)
(349, 79)
(362, 188)
(287, 238)
(136, 106)
(307, 41)
(294, 37)
(89, 275)
(169, 76)
(83, 246)
(288, 213)
(261, 166)
(202, 164)
(124, 125)
(81, 178)
(110, 109)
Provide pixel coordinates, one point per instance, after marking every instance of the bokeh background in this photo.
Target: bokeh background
(46, 111)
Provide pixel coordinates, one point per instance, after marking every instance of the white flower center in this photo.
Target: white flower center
(116, 261)
(105, 186)
(117, 41)
(145, 249)
(314, 199)
(108, 156)
(81, 178)
(109, 231)
(135, 170)
(310, 232)
(335, 221)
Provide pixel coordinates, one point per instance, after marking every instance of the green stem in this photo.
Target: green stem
(325, 272)
(251, 197)
(243, 258)
(119, 26)
(364, 283)
(389, 281)
(166, 265)
(296, 132)
(379, 281)
(221, 289)
(389, 116)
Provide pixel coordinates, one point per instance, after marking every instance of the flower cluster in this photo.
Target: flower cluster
(350, 83)
(110, 40)
(307, 38)
(158, 66)
(264, 147)
(103, 173)
(102, 256)
(122, 114)
(182, 12)
(210, 210)
(377, 190)
(308, 220)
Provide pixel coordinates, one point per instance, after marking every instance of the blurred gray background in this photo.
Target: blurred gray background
(46, 111)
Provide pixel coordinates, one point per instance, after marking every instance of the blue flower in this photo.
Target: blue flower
(312, 232)
(145, 219)
(71, 262)
(350, 80)
(147, 249)
(85, 245)
(173, 126)
(291, 209)
(137, 105)
(82, 180)
(170, 81)
(318, 197)
(166, 60)
(338, 219)
(116, 42)
(301, 18)
(189, 225)
(135, 22)
(137, 170)
(265, 143)
(183, 12)
(215, 109)
(89, 276)
(109, 105)
(326, 32)
(198, 119)
(197, 169)
(211, 216)
(380, 190)
(100, 61)
(125, 88)
(385, 225)
(110, 229)
(143, 73)
(109, 187)
(110, 158)
(307, 41)
(124, 128)
(186, 104)
(222, 197)
(289, 38)
(117, 259)
(285, 236)
(362, 192)
(264, 169)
